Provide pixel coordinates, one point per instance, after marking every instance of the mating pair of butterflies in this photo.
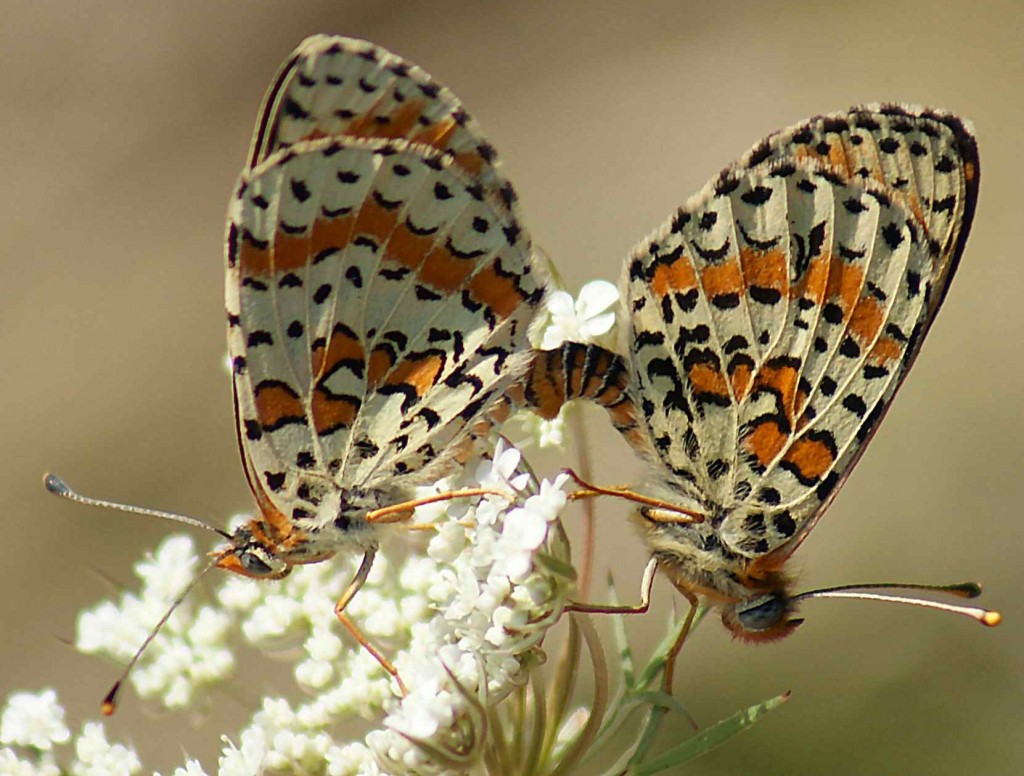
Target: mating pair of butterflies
(381, 287)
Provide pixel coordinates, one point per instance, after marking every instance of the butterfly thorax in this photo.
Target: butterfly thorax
(269, 545)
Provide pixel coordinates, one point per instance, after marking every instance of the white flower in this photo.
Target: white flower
(447, 543)
(582, 320)
(247, 759)
(168, 570)
(191, 768)
(480, 644)
(239, 593)
(95, 756)
(33, 719)
(11, 765)
(543, 433)
(551, 500)
(500, 471)
(355, 759)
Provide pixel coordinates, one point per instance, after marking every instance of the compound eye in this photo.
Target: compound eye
(253, 564)
(762, 613)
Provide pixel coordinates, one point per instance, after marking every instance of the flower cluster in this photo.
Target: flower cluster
(32, 729)
(499, 581)
(463, 622)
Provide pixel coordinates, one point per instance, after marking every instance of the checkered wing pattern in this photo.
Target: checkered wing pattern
(379, 291)
(926, 158)
(341, 87)
(774, 316)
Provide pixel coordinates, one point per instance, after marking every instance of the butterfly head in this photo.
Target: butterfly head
(252, 553)
(762, 618)
(765, 611)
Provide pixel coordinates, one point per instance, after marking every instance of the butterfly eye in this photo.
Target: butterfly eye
(254, 565)
(762, 613)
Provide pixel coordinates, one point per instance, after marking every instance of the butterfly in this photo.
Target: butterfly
(379, 292)
(768, 325)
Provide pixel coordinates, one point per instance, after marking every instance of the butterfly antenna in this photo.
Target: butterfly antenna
(58, 487)
(109, 704)
(988, 617)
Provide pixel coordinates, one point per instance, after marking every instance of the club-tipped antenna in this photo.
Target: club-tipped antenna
(988, 617)
(58, 487)
(109, 704)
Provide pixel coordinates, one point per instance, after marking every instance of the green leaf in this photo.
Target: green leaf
(555, 566)
(708, 739)
(622, 645)
(662, 700)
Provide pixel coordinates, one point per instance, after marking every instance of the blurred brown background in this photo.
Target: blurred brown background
(124, 126)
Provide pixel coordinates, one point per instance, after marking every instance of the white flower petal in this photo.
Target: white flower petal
(594, 327)
(595, 298)
(33, 719)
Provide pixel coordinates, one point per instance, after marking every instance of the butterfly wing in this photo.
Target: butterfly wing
(923, 158)
(379, 291)
(332, 86)
(773, 319)
(926, 158)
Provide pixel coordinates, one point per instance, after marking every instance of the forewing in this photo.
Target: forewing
(773, 318)
(337, 86)
(927, 158)
(377, 296)
(926, 161)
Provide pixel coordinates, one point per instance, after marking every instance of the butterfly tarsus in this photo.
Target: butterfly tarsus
(646, 585)
(677, 645)
(339, 610)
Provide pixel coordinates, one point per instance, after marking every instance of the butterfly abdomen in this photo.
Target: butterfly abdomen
(579, 371)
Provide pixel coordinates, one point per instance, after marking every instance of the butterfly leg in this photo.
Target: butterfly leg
(585, 493)
(645, 597)
(339, 610)
(397, 513)
(677, 645)
(589, 490)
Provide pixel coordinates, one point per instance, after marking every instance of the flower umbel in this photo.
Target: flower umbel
(493, 605)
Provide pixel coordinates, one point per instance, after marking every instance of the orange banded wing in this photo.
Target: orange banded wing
(378, 303)
(925, 158)
(332, 86)
(928, 158)
(773, 318)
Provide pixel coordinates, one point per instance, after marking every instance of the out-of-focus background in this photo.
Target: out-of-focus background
(124, 126)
